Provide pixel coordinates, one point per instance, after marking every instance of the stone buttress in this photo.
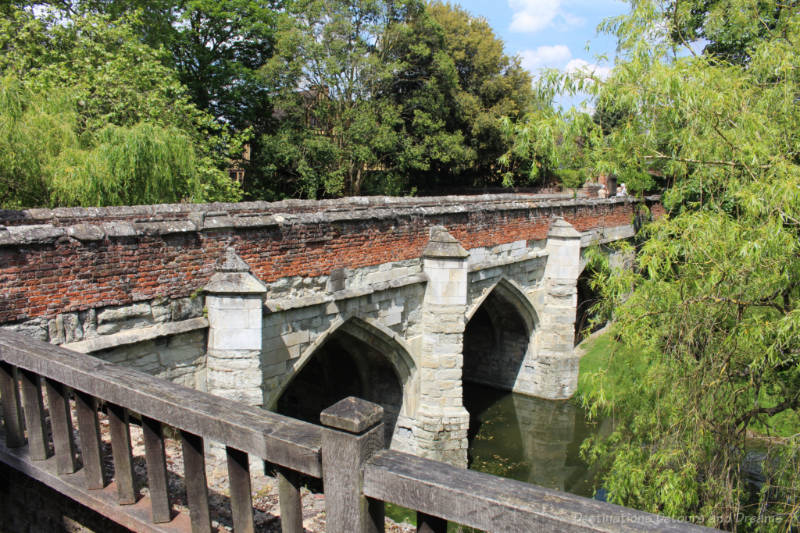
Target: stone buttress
(234, 299)
(441, 419)
(554, 366)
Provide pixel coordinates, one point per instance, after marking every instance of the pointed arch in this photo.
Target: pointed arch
(391, 345)
(513, 294)
(500, 328)
(354, 357)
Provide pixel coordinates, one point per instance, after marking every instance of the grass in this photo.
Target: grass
(596, 371)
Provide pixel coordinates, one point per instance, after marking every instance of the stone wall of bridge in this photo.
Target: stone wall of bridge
(396, 300)
(77, 259)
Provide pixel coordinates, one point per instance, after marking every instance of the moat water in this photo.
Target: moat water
(530, 439)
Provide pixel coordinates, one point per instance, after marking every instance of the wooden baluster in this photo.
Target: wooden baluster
(156, 470)
(61, 422)
(121, 451)
(33, 407)
(290, 501)
(430, 524)
(353, 434)
(89, 432)
(15, 431)
(241, 499)
(194, 474)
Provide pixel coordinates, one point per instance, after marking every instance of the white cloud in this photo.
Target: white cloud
(545, 57)
(590, 69)
(535, 15)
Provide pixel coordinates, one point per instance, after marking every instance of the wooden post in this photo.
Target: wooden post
(291, 502)
(89, 431)
(12, 413)
(354, 432)
(121, 452)
(156, 470)
(241, 497)
(33, 407)
(61, 422)
(194, 475)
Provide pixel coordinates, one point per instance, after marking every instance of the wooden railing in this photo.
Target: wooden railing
(358, 474)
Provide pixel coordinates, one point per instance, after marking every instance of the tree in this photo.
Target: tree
(729, 29)
(492, 86)
(338, 127)
(402, 96)
(96, 84)
(712, 312)
(215, 46)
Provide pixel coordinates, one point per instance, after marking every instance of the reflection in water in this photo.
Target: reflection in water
(529, 439)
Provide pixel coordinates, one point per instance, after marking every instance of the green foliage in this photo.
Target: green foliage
(572, 178)
(46, 161)
(491, 86)
(33, 132)
(387, 97)
(141, 164)
(712, 310)
(335, 130)
(125, 121)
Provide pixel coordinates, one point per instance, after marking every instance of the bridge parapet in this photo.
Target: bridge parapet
(71, 260)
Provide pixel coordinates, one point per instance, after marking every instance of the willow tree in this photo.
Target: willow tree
(95, 117)
(711, 314)
(46, 159)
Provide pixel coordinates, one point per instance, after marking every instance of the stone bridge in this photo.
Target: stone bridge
(296, 304)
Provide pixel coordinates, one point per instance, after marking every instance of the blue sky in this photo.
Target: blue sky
(551, 33)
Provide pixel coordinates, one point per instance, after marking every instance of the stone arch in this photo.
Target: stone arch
(516, 296)
(501, 325)
(357, 357)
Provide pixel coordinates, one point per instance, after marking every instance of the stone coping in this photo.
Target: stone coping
(133, 336)
(98, 223)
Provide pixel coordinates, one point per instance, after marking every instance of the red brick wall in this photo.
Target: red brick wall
(48, 278)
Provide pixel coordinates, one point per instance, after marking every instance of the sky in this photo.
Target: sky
(552, 33)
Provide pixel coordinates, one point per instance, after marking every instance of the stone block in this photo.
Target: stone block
(145, 362)
(160, 308)
(392, 319)
(221, 380)
(36, 328)
(296, 337)
(449, 376)
(224, 319)
(180, 355)
(184, 308)
(118, 314)
(270, 370)
(56, 330)
(234, 339)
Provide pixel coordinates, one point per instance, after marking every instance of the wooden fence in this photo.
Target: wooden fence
(348, 453)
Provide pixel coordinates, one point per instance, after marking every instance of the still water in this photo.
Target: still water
(529, 439)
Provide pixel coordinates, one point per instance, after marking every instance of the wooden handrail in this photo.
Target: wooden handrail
(358, 474)
(278, 439)
(493, 503)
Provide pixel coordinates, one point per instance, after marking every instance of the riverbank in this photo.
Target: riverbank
(608, 365)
